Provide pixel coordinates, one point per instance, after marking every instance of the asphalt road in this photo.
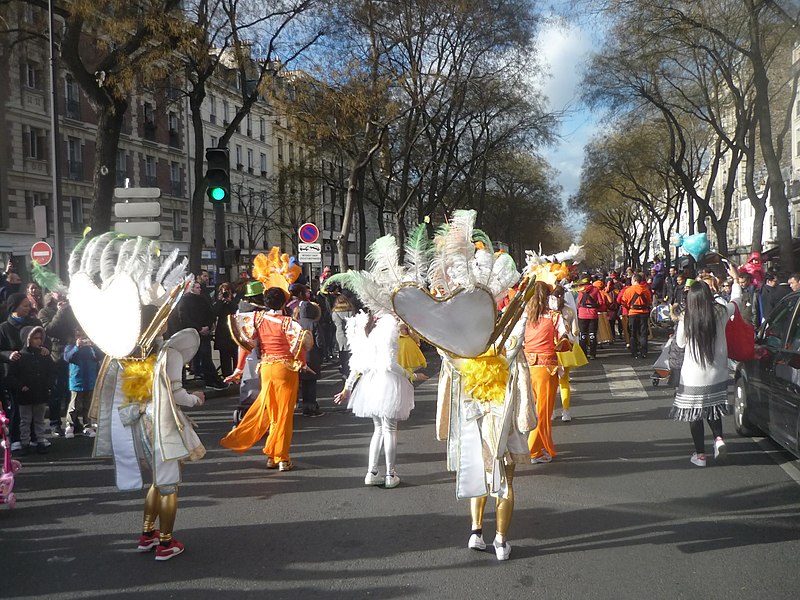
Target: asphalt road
(620, 513)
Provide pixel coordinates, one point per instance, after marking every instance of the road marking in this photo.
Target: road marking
(790, 467)
(623, 382)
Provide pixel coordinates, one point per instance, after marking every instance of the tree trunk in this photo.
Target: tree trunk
(197, 206)
(352, 198)
(109, 126)
(758, 227)
(362, 224)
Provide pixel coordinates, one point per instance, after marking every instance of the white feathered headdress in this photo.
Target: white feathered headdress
(112, 276)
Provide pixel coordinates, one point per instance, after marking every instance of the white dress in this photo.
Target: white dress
(382, 387)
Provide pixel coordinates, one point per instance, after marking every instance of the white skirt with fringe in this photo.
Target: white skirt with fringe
(382, 394)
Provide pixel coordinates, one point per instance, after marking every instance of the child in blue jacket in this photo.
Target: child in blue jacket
(83, 358)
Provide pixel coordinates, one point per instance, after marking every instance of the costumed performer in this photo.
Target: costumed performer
(282, 341)
(572, 358)
(139, 394)
(378, 387)
(242, 328)
(485, 406)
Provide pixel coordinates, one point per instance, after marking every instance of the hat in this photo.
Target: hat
(254, 288)
(14, 300)
(688, 283)
(582, 281)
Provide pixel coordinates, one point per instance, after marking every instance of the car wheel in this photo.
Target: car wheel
(740, 417)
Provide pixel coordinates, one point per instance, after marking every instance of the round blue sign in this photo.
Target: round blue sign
(308, 233)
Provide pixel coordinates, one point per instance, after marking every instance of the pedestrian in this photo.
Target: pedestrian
(246, 372)
(30, 378)
(12, 286)
(223, 307)
(569, 359)
(281, 341)
(670, 285)
(794, 282)
(377, 388)
(84, 360)
(308, 315)
(11, 342)
(299, 293)
(195, 312)
(749, 300)
(638, 299)
(59, 324)
(544, 331)
(344, 307)
(34, 293)
(590, 302)
(771, 293)
(702, 389)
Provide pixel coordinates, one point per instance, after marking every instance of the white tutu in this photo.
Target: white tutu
(382, 394)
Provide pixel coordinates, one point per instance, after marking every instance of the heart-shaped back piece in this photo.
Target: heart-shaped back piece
(461, 324)
(111, 317)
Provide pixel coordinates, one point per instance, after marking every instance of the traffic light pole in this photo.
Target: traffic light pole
(219, 234)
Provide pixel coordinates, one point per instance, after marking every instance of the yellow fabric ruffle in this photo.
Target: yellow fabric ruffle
(485, 377)
(137, 379)
(409, 356)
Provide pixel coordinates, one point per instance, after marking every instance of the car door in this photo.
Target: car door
(770, 340)
(784, 399)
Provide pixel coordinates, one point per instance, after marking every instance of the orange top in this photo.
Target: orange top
(540, 340)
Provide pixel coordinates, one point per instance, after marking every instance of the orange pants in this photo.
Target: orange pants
(273, 410)
(544, 381)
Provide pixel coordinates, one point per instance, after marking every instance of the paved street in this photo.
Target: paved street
(621, 513)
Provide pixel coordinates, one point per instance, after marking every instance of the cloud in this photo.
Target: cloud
(564, 50)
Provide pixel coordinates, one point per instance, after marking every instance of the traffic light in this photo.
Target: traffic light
(218, 175)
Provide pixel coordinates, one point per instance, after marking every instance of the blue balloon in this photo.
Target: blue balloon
(696, 245)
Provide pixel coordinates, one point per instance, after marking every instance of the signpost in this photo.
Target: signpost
(132, 203)
(309, 253)
(42, 253)
(308, 233)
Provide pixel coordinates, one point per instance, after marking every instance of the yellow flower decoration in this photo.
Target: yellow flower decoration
(485, 377)
(137, 379)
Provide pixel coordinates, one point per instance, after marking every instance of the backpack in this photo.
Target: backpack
(639, 301)
(586, 300)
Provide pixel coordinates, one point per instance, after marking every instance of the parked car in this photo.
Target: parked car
(767, 397)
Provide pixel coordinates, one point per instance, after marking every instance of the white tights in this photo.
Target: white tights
(385, 434)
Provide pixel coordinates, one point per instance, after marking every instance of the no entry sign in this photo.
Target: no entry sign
(308, 233)
(42, 253)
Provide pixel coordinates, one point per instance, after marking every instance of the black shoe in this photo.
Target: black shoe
(313, 413)
(217, 385)
(41, 449)
(57, 430)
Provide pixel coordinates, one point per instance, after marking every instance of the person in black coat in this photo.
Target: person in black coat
(195, 312)
(59, 324)
(10, 345)
(30, 378)
(771, 294)
(308, 315)
(224, 306)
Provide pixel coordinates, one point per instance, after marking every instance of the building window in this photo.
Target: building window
(177, 225)
(76, 214)
(214, 141)
(35, 199)
(149, 117)
(239, 125)
(225, 115)
(32, 74)
(291, 153)
(263, 164)
(175, 179)
(72, 98)
(74, 163)
(262, 132)
(35, 142)
(213, 109)
(122, 168)
(239, 163)
(280, 149)
(174, 135)
(249, 160)
(150, 173)
(173, 121)
(249, 125)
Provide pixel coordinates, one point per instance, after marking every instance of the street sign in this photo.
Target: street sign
(131, 203)
(308, 233)
(309, 253)
(42, 253)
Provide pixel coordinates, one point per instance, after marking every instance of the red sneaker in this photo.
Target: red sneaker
(148, 542)
(166, 552)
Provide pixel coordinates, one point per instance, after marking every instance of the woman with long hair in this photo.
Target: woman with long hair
(544, 332)
(702, 391)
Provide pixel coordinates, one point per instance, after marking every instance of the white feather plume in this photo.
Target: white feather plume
(459, 250)
(94, 253)
(166, 265)
(437, 276)
(504, 275)
(481, 266)
(109, 256)
(417, 255)
(125, 253)
(384, 255)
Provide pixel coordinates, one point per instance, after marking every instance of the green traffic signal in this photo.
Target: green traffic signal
(217, 179)
(217, 194)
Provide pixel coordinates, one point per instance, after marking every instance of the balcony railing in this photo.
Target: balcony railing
(73, 108)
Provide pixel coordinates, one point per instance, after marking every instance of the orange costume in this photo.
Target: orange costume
(540, 351)
(282, 342)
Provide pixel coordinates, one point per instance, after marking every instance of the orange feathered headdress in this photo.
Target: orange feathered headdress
(273, 270)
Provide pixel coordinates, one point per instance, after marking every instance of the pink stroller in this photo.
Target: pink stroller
(10, 466)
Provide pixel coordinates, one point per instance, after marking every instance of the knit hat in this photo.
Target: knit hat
(14, 300)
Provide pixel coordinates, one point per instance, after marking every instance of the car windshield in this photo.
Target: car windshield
(774, 331)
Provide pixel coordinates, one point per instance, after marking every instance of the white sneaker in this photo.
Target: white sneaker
(46, 443)
(16, 446)
(89, 432)
(543, 459)
(720, 449)
(503, 551)
(69, 432)
(565, 416)
(697, 461)
(373, 479)
(476, 542)
(392, 481)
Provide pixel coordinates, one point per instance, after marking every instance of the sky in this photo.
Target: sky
(565, 47)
